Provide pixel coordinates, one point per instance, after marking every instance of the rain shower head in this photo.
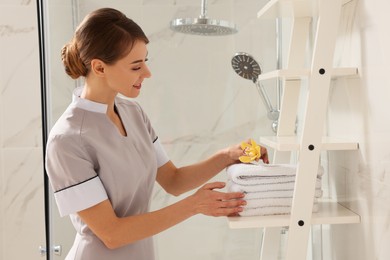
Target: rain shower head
(203, 25)
(246, 66)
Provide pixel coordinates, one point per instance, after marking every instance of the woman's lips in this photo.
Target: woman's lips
(137, 86)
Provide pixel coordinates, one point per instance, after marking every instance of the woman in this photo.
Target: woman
(103, 155)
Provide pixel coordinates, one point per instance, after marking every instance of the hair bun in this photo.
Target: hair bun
(73, 64)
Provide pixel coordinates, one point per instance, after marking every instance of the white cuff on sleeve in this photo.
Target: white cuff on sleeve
(80, 196)
(162, 157)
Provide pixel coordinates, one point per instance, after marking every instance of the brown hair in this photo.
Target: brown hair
(104, 34)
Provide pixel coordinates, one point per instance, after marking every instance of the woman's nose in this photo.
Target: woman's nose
(146, 72)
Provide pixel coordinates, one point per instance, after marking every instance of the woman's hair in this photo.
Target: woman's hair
(104, 34)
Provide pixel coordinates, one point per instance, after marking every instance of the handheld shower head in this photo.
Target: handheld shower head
(203, 25)
(247, 67)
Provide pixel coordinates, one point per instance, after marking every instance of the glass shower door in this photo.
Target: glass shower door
(57, 26)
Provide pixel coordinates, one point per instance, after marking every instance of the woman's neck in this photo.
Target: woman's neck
(101, 94)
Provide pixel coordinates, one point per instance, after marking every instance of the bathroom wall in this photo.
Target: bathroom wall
(359, 110)
(198, 105)
(21, 172)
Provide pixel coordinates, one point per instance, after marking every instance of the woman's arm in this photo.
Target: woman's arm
(179, 180)
(116, 232)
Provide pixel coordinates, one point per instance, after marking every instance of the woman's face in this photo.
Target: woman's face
(127, 74)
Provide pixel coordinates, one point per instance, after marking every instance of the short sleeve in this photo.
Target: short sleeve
(72, 175)
(161, 155)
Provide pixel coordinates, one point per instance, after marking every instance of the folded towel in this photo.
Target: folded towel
(260, 180)
(268, 188)
(261, 169)
(272, 210)
(281, 185)
(270, 193)
(252, 174)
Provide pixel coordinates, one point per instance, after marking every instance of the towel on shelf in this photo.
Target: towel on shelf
(252, 174)
(268, 188)
(260, 180)
(281, 185)
(269, 192)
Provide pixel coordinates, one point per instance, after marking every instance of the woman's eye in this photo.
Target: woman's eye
(136, 68)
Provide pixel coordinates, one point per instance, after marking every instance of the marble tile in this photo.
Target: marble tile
(22, 204)
(2, 211)
(17, 2)
(358, 109)
(20, 95)
(208, 238)
(60, 29)
(131, 8)
(21, 168)
(369, 239)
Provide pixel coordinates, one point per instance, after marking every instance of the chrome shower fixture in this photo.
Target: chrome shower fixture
(247, 67)
(203, 25)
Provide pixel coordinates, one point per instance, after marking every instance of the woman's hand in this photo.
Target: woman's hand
(235, 151)
(264, 155)
(209, 202)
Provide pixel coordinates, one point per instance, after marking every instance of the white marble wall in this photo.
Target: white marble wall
(198, 105)
(359, 109)
(21, 172)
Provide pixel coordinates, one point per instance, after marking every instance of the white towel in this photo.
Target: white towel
(272, 193)
(261, 180)
(252, 174)
(268, 188)
(281, 185)
(272, 210)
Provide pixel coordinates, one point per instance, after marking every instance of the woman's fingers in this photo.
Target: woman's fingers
(264, 155)
(231, 203)
(222, 196)
(231, 207)
(221, 212)
(214, 185)
(215, 203)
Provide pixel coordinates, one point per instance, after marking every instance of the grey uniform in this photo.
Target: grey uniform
(89, 161)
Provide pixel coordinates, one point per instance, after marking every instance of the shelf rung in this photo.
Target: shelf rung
(288, 74)
(328, 213)
(298, 74)
(291, 143)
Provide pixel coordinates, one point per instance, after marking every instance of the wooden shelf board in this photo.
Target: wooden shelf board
(291, 143)
(298, 74)
(328, 213)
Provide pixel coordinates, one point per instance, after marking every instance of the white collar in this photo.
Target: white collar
(87, 104)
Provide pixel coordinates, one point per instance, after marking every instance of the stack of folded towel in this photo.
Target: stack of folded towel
(268, 188)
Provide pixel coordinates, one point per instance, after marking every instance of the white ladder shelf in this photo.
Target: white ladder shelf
(328, 213)
(311, 141)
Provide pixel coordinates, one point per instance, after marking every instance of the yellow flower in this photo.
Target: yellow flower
(252, 152)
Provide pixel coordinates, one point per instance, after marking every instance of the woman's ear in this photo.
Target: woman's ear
(97, 67)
